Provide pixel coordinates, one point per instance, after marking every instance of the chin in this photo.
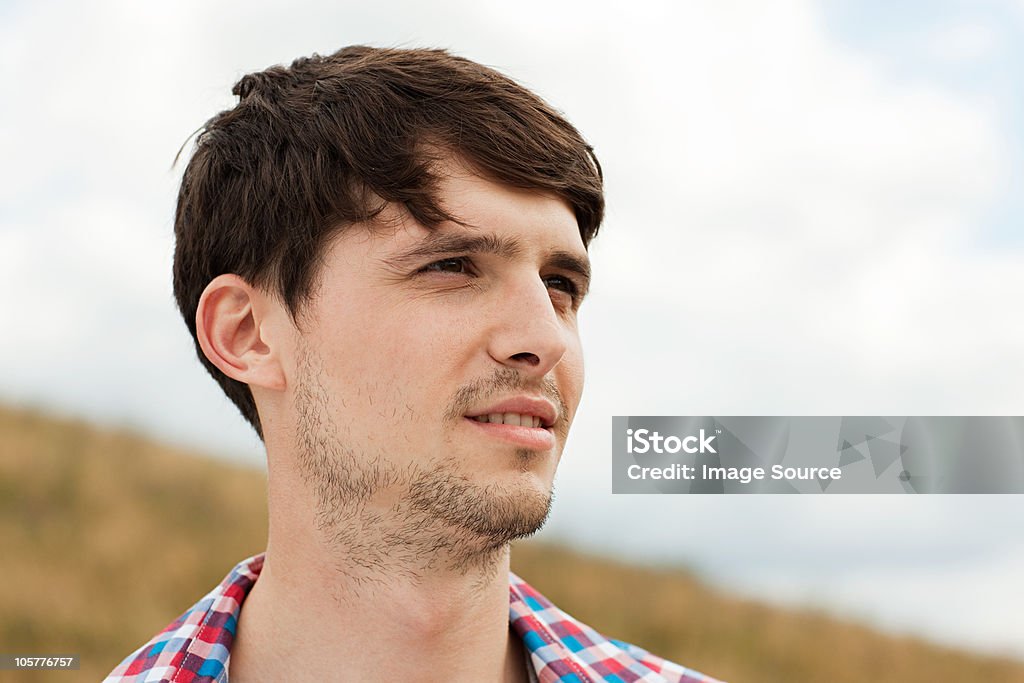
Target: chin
(494, 513)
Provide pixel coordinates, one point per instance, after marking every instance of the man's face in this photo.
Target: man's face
(438, 370)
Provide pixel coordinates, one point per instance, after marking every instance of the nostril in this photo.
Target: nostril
(530, 358)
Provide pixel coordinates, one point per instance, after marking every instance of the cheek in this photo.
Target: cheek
(571, 377)
(403, 357)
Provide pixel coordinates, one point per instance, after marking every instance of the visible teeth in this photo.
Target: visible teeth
(515, 419)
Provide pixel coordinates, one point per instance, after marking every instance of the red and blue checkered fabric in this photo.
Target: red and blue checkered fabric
(564, 649)
(196, 646)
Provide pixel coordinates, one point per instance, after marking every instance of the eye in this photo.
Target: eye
(448, 265)
(563, 284)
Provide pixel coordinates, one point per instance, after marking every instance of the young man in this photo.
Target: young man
(381, 255)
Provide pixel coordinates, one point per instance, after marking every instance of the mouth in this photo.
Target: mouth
(522, 431)
(518, 411)
(514, 419)
(525, 421)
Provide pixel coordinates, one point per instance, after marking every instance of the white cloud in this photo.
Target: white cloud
(963, 43)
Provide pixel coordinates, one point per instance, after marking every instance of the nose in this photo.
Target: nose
(527, 334)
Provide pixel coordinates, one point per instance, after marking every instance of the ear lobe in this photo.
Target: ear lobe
(229, 333)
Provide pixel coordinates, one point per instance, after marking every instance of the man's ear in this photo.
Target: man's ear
(229, 331)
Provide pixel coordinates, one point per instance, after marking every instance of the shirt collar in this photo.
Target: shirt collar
(559, 647)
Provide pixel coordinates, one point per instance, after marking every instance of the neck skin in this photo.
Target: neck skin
(363, 597)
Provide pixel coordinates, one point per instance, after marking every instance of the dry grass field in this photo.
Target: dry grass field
(108, 536)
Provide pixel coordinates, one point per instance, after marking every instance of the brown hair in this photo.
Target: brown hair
(329, 141)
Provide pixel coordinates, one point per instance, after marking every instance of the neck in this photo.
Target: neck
(374, 591)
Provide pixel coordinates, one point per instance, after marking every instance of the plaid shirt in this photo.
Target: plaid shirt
(196, 647)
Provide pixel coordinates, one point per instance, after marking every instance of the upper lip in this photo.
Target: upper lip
(523, 405)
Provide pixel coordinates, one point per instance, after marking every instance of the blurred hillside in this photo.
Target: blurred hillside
(108, 536)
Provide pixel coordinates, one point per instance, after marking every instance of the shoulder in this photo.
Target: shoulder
(563, 648)
(199, 641)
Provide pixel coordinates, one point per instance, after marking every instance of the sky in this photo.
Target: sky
(813, 209)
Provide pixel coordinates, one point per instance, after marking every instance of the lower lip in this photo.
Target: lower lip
(533, 438)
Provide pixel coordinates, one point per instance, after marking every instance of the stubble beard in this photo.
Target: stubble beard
(437, 515)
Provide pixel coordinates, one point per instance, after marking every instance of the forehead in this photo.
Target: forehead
(486, 205)
(523, 221)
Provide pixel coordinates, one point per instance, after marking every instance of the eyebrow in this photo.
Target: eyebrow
(438, 244)
(447, 243)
